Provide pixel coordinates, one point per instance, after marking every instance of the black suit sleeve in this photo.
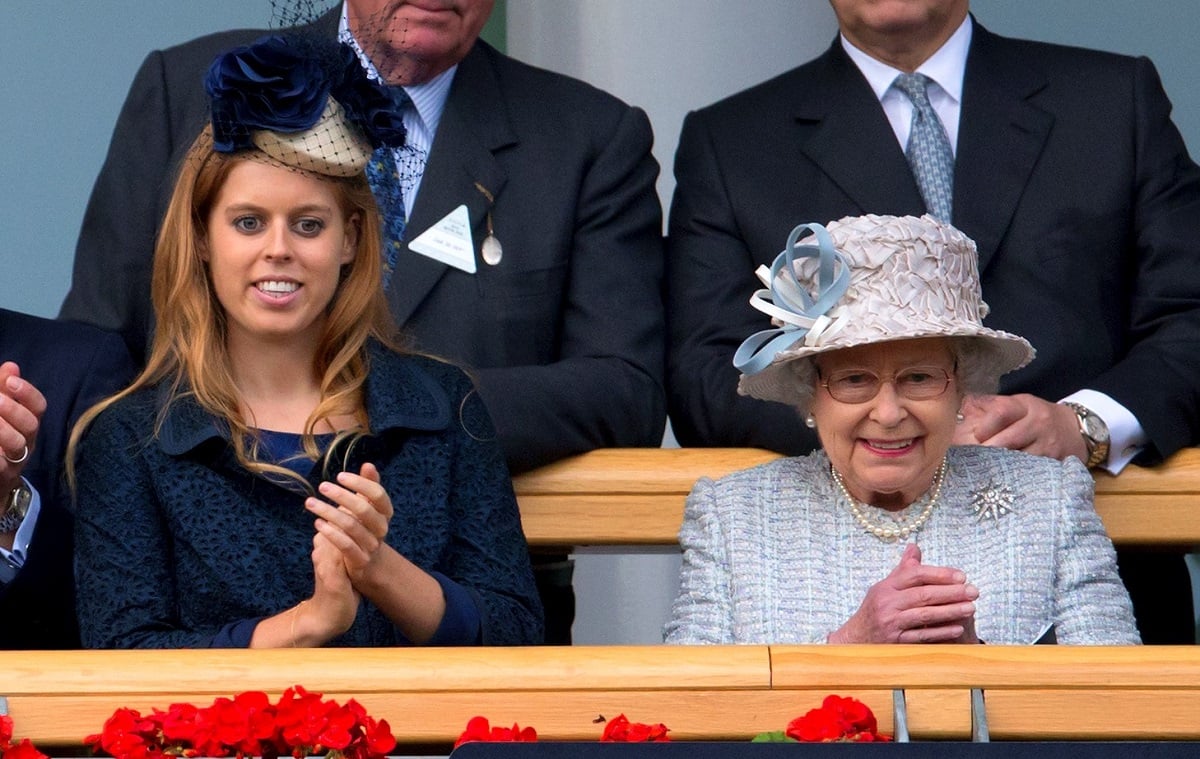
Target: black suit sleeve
(1158, 378)
(605, 388)
(110, 284)
(710, 277)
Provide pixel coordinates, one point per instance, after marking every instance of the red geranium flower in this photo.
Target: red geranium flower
(478, 729)
(23, 750)
(300, 724)
(620, 730)
(837, 720)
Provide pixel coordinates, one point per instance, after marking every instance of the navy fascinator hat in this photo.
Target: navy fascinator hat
(304, 102)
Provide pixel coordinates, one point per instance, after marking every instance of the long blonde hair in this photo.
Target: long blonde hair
(189, 350)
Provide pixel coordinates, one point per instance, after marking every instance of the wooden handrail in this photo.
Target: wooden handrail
(635, 497)
(701, 693)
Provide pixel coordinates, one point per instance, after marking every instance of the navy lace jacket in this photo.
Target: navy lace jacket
(178, 545)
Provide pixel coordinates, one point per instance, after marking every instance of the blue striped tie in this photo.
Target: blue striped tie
(928, 150)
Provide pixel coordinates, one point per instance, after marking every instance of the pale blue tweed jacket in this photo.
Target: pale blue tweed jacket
(773, 555)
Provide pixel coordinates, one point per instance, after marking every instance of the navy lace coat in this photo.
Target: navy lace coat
(178, 545)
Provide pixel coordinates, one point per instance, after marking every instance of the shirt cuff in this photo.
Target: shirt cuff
(1125, 433)
(461, 624)
(13, 560)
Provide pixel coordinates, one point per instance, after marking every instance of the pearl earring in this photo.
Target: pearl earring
(809, 422)
(959, 417)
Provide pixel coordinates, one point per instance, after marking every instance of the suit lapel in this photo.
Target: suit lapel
(474, 124)
(847, 135)
(1001, 134)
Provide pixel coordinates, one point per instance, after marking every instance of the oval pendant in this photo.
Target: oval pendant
(491, 250)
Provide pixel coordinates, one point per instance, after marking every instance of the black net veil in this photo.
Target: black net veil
(295, 96)
(286, 14)
(379, 29)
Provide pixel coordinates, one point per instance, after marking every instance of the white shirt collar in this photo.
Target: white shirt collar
(945, 67)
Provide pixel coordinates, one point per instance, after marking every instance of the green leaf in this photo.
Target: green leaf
(777, 736)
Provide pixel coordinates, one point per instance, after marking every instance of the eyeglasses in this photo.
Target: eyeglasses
(917, 383)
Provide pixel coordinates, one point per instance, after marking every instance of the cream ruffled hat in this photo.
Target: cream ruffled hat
(868, 279)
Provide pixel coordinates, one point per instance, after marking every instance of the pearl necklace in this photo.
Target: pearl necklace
(884, 532)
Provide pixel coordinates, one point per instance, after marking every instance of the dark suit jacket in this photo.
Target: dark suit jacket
(564, 336)
(1070, 177)
(74, 366)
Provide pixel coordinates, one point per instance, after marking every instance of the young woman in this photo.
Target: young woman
(280, 474)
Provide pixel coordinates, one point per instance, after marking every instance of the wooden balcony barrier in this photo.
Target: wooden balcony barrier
(635, 497)
(700, 693)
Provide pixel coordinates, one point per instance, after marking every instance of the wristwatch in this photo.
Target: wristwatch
(18, 502)
(1094, 432)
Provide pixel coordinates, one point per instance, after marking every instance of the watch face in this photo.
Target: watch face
(1096, 429)
(20, 499)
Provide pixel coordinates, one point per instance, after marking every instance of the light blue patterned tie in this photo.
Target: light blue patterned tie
(928, 150)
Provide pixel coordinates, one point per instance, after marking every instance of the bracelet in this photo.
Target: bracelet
(295, 613)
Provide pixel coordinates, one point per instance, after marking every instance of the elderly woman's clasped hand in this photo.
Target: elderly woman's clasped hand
(916, 603)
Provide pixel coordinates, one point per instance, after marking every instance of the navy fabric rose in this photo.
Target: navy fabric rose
(282, 84)
(272, 84)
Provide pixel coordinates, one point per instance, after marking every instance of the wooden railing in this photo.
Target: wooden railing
(700, 693)
(635, 496)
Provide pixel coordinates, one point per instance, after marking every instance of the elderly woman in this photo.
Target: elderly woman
(889, 534)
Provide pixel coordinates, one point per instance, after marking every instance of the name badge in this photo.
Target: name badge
(449, 241)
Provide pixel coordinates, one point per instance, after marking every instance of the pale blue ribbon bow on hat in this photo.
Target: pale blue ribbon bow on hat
(787, 301)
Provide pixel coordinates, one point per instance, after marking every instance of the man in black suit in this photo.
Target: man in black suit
(51, 373)
(564, 334)
(1067, 172)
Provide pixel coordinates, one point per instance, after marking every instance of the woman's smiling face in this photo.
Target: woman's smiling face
(888, 448)
(277, 240)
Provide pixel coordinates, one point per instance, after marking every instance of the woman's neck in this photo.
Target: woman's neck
(276, 383)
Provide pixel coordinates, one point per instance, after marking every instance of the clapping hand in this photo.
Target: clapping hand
(334, 603)
(916, 603)
(353, 516)
(354, 519)
(21, 409)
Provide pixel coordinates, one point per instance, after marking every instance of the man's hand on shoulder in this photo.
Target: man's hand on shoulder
(1021, 422)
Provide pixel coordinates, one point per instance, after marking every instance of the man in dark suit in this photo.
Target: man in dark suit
(564, 333)
(1067, 172)
(51, 373)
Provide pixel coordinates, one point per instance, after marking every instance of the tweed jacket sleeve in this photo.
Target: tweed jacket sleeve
(702, 612)
(1091, 605)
